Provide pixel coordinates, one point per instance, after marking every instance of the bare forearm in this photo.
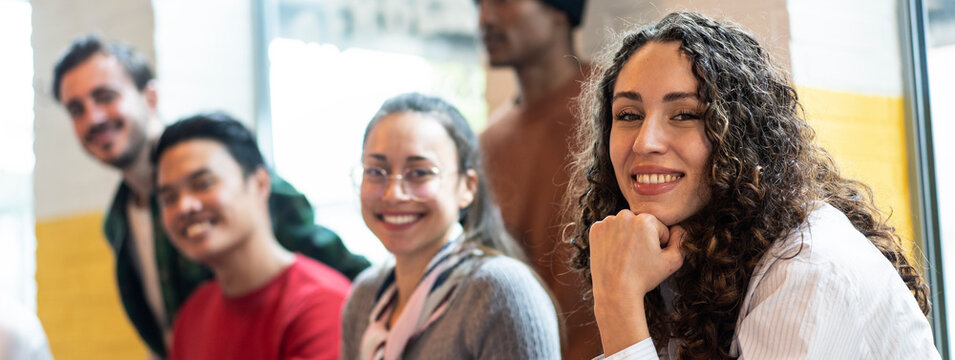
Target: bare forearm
(620, 324)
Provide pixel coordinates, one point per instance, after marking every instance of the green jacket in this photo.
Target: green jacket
(293, 221)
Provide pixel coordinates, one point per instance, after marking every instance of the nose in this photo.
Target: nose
(95, 114)
(187, 204)
(653, 136)
(394, 189)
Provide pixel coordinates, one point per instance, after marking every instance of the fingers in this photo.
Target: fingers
(663, 232)
(673, 252)
(675, 236)
(633, 253)
(644, 223)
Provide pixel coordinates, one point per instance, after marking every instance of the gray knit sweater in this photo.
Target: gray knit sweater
(500, 312)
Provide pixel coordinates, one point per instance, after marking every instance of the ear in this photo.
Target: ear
(467, 189)
(152, 95)
(262, 182)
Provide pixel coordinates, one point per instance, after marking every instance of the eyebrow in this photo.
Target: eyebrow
(411, 158)
(673, 96)
(103, 90)
(626, 95)
(97, 92)
(194, 175)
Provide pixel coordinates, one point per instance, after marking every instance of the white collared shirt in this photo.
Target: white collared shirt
(824, 292)
(144, 246)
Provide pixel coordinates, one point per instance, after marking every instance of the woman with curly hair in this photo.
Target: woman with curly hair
(712, 226)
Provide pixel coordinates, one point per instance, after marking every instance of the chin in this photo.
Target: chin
(396, 247)
(198, 252)
(204, 257)
(498, 62)
(195, 257)
(662, 214)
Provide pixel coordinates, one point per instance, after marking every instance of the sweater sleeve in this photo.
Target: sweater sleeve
(356, 312)
(513, 316)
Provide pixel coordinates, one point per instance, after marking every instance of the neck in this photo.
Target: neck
(409, 269)
(408, 272)
(251, 266)
(139, 174)
(549, 72)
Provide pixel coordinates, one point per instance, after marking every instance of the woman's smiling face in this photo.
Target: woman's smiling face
(658, 143)
(412, 190)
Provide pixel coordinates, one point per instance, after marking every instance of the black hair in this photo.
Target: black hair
(219, 127)
(482, 219)
(84, 47)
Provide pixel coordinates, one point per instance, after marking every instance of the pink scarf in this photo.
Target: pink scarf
(427, 303)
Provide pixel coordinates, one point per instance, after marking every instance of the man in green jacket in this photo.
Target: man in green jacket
(109, 92)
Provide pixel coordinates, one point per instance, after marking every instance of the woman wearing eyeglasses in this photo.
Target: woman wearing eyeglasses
(455, 289)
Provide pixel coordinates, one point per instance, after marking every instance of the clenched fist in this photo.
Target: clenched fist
(630, 255)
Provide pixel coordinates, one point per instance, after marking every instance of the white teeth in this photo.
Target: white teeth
(399, 219)
(656, 178)
(197, 228)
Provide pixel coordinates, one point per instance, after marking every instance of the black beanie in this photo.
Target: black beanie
(573, 8)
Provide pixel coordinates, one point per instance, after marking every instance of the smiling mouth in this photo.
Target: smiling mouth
(655, 179)
(197, 229)
(400, 219)
(103, 132)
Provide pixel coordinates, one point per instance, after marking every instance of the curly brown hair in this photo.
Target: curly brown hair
(764, 173)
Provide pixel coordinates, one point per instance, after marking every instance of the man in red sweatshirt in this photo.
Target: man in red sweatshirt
(265, 302)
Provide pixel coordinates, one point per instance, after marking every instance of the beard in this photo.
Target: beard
(137, 142)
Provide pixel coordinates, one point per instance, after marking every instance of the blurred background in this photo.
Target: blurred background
(876, 79)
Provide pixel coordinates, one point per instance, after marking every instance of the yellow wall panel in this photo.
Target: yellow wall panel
(866, 135)
(77, 299)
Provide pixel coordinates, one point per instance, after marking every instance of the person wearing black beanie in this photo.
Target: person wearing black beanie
(573, 8)
(526, 144)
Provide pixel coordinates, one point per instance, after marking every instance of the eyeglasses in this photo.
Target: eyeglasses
(416, 182)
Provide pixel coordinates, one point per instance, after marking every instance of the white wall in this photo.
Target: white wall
(17, 241)
(66, 179)
(202, 55)
(849, 45)
(205, 58)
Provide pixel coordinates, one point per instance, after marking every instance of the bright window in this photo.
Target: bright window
(940, 49)
(332, 64)
(17, 241)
